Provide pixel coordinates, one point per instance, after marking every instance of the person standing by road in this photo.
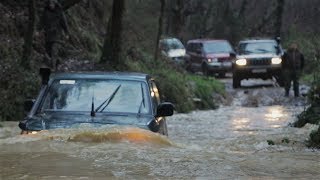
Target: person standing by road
(293, 63)
(54, 23)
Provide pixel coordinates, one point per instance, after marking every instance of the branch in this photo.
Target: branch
(66, 4)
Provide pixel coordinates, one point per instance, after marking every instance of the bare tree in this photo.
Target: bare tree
(28, 39)
(279, 14)
(112, 44)
(163, 3)
(66, 4)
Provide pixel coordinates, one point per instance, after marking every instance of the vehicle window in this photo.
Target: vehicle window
(258, 48)
(76, 95)
(217, 47)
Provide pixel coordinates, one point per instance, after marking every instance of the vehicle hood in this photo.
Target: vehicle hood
(176, 53)
(252, 56)
(218, 55)
(55, 121)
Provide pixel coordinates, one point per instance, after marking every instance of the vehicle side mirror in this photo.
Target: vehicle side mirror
(23, 125)
(165, 109)
(28, 104)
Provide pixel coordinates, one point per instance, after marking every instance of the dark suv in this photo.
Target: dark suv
(209, 56)
(258, 58)
(68, 100)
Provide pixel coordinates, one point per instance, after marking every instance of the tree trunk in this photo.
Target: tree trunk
(177, 17)
(112, 45)
(28, 39)
(279, 14)
(163, 3)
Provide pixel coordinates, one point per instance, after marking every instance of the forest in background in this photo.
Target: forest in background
(92, 34)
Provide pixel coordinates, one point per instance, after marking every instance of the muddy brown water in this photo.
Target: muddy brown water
(228, 143)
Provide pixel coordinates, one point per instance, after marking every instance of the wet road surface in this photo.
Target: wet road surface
(228, 143)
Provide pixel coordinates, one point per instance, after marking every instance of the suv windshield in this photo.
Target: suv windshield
(217, 47)
(78, 94)
(258, 48)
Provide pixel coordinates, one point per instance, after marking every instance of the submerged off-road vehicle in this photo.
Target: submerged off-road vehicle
(258, 58)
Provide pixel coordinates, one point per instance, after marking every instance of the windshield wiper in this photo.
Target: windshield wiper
(142, 101)
(263, 50)
(108, 100)
(93, 113)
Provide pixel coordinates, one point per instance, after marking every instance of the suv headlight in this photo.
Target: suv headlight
(241, 62)
(212, 60)
(276, 60)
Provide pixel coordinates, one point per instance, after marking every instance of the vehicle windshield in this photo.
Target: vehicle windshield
(217, 47)
(169, 44)
(116, 96)
(258, 48)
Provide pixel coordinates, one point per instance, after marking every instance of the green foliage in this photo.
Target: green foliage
(285, 140)
(203, 88)
(315, 139)
(270, 142)
(19, 84)
(309, 45)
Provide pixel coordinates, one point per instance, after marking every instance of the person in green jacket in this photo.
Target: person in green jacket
(293, 63)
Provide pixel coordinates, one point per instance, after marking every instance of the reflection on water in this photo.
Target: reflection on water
(275, 113)
(255, 119)
(241, 123)
(228, 143)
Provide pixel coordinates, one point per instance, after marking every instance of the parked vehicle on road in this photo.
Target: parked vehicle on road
(209, 56)
(258, 58)
(67, 100)
(173, 49)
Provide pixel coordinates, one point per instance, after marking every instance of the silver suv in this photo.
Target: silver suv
(258, 58)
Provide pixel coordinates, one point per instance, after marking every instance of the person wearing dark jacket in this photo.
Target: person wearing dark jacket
(293, 63)
(53, 21)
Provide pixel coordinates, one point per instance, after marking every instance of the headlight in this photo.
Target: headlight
(241, 62)
(276, 60)
(212, 60)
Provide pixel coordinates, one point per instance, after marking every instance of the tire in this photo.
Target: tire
(205, 70)
(188, 67)
(222, 75)
(236, 82)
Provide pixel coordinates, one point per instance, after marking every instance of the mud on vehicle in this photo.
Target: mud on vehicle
(258, 58)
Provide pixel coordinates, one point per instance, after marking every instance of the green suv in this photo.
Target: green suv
(258, 58)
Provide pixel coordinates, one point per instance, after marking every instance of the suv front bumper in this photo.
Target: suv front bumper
(219, 66)
(265, 71)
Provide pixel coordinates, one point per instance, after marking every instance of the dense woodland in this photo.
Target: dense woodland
(124, 35)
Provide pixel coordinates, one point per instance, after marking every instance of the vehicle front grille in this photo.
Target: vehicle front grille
(260, 61)
(223, 59)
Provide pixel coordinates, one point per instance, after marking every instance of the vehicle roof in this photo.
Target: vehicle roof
(257, 40)
(206, 40)
(101, 75)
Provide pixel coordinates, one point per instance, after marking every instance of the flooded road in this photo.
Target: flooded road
(227, 143)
